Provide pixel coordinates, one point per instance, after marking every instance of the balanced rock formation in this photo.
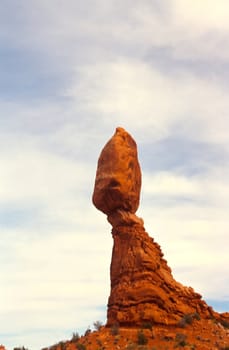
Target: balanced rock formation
(118, 178)
(143, 289)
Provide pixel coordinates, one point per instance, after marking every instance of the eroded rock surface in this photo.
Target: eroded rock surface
(118, 177)
(142, 286)
(143, 289)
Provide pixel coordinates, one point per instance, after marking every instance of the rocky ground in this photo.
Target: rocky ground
(188, 334)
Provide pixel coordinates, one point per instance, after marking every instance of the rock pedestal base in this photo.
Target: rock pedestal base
(143, 289)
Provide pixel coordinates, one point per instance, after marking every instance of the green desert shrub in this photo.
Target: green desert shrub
(147, 325)
(141, 338)
(61, 345)
(224, 323)
(88, 331)
(80, 346)
(188, 319)
(181, 339)
(75, 336)
(97, 325)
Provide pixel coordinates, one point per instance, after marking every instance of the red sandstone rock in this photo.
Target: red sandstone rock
(118, 177)
(142, 286)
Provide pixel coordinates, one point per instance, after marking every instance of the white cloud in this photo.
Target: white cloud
(206, 187)
(191, 29)
(188, 216)
(30, 172)
(59, 264)
(136, 95)
(196, 31)
(60, 281)
(204, 15)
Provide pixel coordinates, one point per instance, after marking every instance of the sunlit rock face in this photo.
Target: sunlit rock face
(142, 286)
(118, 177)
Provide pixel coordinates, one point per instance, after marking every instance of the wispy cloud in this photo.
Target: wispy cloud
(188, 216)
(71, 72)
(130, 91)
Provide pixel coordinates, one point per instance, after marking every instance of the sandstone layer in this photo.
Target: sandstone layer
(143, 289)
(118, 177)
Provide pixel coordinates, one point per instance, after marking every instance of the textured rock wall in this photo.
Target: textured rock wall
(118, 177)
(142, 286)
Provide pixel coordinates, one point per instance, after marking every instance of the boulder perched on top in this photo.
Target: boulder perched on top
(118, 177)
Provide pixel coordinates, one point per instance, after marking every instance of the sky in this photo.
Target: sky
(71, 72)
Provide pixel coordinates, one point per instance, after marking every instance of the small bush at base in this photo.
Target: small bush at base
(88, 331)
(188, 319)
(181, 339)
(224, 323)
(75, 336)
(141, 338)
(80, 347)
(97, 325)
(147, 325)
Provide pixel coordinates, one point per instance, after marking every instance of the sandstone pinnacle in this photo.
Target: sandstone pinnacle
(142, 286)
(145, 302)
(118, 178)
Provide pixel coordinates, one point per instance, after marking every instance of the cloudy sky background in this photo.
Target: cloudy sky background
(71, 71)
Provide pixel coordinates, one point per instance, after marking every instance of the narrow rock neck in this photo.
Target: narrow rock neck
(122, 217)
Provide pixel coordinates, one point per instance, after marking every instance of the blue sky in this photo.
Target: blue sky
(71, 72)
